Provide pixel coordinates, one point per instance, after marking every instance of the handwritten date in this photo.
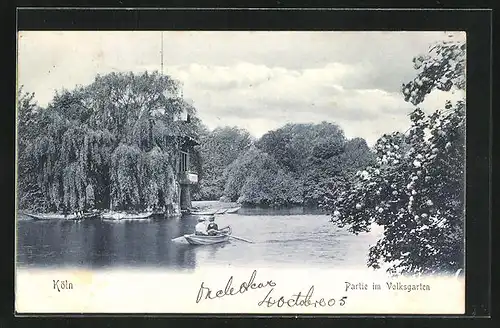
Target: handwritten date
(299, 300)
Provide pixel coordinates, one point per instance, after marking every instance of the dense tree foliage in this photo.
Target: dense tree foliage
(218, 149)
(293, 165)
(330, 162)
(27, 188)
(293, 144)
(255, 178)
(114, 143)
(416, 187)
(111, 144)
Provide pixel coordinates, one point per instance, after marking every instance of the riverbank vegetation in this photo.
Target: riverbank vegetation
(292, 165)
(109, 145)
(415, 189)
(218, 149)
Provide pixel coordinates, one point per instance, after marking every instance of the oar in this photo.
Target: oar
(238, 238)
(178, 239)
(242, 239)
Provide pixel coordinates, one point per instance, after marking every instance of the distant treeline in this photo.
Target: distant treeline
(292, 165)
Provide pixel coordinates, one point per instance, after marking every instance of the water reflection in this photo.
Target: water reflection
(99, 243)
(162, 252)
(278, 239)
(298, 210)
(102, 246)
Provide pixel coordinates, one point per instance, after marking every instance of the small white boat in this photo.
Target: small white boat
(233, 210)
(126, 216)
(52, 216)
(212, 212)
(194, 239)
(58, 216)
(203, 213)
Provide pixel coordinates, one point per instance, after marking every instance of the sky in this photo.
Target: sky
(258, 81)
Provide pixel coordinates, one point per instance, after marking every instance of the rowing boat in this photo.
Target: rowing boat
(126, 216)
(224, 236)
(57, 216)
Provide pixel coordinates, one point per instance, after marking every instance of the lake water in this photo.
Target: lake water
(281, 238)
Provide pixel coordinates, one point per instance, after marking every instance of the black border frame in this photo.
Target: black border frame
(477, 24)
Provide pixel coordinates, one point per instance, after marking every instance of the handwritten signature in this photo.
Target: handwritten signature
(207, 293)
(300, 300)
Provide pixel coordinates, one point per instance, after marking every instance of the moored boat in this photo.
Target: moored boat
(211, 212)
(233, 210)
(224, 236)
(58, 216)
(126, 216)
(52, 216)
(90, 215)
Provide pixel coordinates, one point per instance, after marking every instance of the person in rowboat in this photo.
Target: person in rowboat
(212, 228)
(201, 227)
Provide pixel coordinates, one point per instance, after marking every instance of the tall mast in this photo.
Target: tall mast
(161, 52)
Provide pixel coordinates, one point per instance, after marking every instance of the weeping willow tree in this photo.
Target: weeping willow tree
(111, 144)
(28, 192)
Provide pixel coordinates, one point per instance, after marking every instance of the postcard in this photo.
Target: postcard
(276, 172)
